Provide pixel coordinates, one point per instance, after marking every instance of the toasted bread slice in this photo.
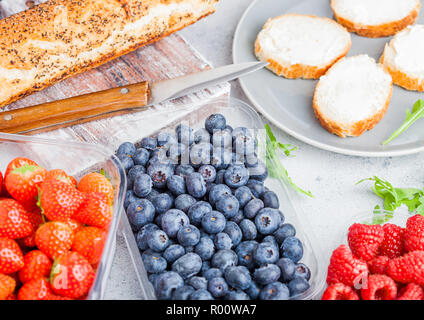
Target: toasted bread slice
(353, 96)
(403, 57)
(376, 18)
(301, 46)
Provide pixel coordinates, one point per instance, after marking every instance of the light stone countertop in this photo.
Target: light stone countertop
(331, 177)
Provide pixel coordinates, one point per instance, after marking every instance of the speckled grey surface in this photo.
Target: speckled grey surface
(331, 177)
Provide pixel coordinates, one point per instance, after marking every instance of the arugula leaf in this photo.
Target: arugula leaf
(275, 167)
(417, 113)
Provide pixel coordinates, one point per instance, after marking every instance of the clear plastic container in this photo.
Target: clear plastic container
(76, 159)
(239, 114)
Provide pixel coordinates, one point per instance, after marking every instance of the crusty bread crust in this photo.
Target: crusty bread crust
(297, 71)
(402, 79)
(378, 31)
(87, 33)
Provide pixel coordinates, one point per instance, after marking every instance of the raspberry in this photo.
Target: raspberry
(414, 234)
(409, 268)
(345, 268)
(379, 287)
(365, 240)
(392, 245)
(378, 265)
(411, 292)
(339, 291)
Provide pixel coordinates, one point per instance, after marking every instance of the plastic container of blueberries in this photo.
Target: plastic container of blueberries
(240, 114)
(76, 159)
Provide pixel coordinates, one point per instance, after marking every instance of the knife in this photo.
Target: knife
(99, 105)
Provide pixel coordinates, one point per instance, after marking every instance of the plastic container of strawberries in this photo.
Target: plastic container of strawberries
(76, 159)
(240, 114)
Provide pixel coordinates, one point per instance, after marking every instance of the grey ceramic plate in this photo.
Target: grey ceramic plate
(288, 103)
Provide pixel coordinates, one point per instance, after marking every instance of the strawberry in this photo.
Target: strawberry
(379, 287)
(17, 163)
(11, 257)
(61, 175)
(72, 275)
(74, 225)
(365, 240)
(408, 268)
(392, 245)
(11, 297)
(345, 268)
(378, 265)
(14, 221)
(7, 286)
(414, 234)
(95, 211)
(89, 242)
(339, 291)
(36, 289)
(59, 200)
(1, 184)
(37, 265)
(411, 291)
(36, 220)
(22, 183)
(96, 182)
(54, 238)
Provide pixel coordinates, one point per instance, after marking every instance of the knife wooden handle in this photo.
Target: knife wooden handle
(75, 110)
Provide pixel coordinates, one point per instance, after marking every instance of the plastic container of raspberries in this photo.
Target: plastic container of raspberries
(76, 159)
(239, 114)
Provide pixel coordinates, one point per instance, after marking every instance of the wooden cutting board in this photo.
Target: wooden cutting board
(168, 58)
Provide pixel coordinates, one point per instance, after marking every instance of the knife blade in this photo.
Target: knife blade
(99, 105)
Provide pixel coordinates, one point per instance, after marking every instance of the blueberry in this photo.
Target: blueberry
(184, 170)
(223, 259)
(271, 239)
(267, 274)
(127, 148)
(166, 283)
(153, 262)
(223, 241)
(298, 286)
(188, 235)
(152, 277)
(252, 161)
(252, 208)
(212, 273)
(189, 249)
(172, 221)
(265, 253)
(166, 138)
(142, 184)
(234, 232)
(256, 187)
(215, 122)
(302, 271)
(253, 291)
(270, 200)
(197, 211)
(141, 156)
(229, 128)
(175, 151)
(200, 154)
(184, 201)
(129, 198)
(188, 265)
(173, 252)
(258, 171)
(158, 240)
(218, 287)
(243, 195)
(126, 161)
(236, 176)
(217, 192)
(238, 277)
(140, 213)
(283, 232)
(248, 229)
(176, 185)
(152, 195)
(221, 158)
(132, 173)
(198, 282)
(159, 173)
(209, 186)
(149, 143)
(158, 155)
(196, 185)
(236, 295)
(267, 221)
(208, 173)
(275, 291)
(144, 234)
(292, 248)
(183, 293)
(287, 268)
(220, 177)
(205, 248)
(206, 265)
(245, 252)
(202, 136)
(185, 134)
(213, 222)
(162, 203)
(228, 206)
(244, 145)
(238, 217)
(222, 139)
(240, 131)
(201, 294)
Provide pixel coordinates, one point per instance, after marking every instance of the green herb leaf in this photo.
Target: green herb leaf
(417, 113)
(275, 167)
